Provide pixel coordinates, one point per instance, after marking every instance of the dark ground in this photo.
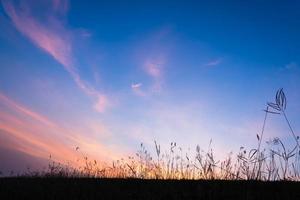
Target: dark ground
(74, 188)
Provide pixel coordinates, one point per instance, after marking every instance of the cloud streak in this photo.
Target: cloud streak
(32, 133)
(214, 62)
(57, 45)
(137, 89)
(37, 135)
(53, 39)
(136, 85)
(26, 111)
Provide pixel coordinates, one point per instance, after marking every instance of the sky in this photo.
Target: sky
(107, 75)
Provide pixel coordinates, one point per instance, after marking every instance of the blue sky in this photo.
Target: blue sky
(107, 75)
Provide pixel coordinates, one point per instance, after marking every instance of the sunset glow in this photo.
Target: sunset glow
(105, 76)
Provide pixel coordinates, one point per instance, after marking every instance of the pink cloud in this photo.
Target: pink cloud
(31, 132)
(53, 39)
(37, 146)
(152, 55)
(26, 111)
(48, 40)
(37, 135)
(153, 68)
(102, 103)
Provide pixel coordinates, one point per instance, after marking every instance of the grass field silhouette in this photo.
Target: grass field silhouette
(278, 162)
(256, 173)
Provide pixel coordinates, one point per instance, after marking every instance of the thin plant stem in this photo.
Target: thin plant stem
(295, 137)
(263, 128)
(260, 139)
(291, 129)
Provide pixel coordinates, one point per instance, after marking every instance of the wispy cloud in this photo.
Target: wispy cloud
(136, 85)
(152, 55)
(26, 111)
(154, 67)
(291, 65)
(137, 89)
(55, 40)
(50, 40)
(37, 135)
(101, 103)
(214, 62)
(32, 132)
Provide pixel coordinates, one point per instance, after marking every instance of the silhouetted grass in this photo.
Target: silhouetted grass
(253, 173)
(272, 164)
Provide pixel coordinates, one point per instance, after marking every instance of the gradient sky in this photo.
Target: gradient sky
(108, 75)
